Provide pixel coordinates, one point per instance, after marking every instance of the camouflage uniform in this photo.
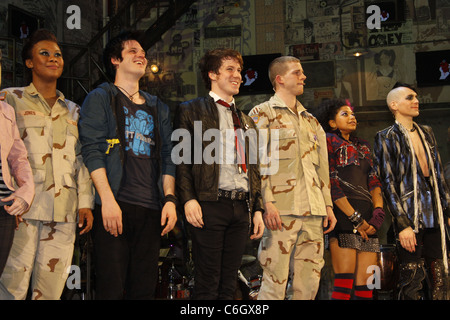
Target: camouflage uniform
(44, 242)
(301, 191)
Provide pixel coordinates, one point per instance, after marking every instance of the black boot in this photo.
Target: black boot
(438, 277)
(410, 280)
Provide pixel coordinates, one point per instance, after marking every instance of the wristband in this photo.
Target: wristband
(170, 198)
(356, 218)
(355, 227)
(377, 218)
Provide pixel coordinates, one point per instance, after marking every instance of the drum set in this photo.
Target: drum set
(176, 276)
(389, 273)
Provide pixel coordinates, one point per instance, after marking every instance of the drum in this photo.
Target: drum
(254, 284)
(388, 263)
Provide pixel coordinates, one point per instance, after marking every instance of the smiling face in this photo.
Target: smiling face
(46, 61)
(227, 81)
(345, 120)
(133, 60)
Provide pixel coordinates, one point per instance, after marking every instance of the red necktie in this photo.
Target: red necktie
(237, 125)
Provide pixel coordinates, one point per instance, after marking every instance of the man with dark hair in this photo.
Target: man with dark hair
(218, 196)
(416, 193)
(125, 135)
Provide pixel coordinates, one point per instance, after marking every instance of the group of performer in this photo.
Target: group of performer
(110, 166)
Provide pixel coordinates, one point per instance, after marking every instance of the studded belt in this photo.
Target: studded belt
(233, 194)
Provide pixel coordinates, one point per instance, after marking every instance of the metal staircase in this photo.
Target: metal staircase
(84, 71)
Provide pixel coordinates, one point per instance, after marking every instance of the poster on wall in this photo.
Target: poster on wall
(347, 81)
(305, 52)
(295, 10)
(383, 69)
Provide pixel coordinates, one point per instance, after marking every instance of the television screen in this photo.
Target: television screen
(392, 11)
(22, 23)
(255, 74)
(432, 68)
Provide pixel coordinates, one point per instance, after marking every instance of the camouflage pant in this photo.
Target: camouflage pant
(44, 249)
(295, 251)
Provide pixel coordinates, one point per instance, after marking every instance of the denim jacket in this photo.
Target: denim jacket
(101, 139)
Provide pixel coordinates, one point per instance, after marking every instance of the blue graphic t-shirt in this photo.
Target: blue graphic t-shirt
(141, 172)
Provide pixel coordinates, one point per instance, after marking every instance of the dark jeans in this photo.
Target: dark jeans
(7, 229)
(126, 267)
(217, 248)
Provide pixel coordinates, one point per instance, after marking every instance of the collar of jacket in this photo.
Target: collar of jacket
(276, 101)
(32, 91)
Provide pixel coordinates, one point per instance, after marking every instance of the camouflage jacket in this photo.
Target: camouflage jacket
(301, 185)
(62, 182)
(15, 166)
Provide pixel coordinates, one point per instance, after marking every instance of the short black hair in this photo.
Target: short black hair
(114, 47)
(404, 85)
(326, 111)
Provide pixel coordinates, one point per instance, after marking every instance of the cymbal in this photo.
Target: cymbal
(246, 259)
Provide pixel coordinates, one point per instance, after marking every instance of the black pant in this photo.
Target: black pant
(428, 247)
(7, 229)
(126, 267)
(217, 248)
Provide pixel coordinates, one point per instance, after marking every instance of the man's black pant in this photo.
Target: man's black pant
(126, 267)
(7, 229)
(217, 248)
(428, 247)
(412, 269)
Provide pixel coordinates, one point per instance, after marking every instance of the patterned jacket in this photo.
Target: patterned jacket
(14, 156)
(62, 182)
(407, 194)
(343, 153)
(302, 184)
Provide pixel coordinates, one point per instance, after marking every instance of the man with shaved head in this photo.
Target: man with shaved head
(416, 193)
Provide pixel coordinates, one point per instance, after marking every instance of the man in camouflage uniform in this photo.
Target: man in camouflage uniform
(47, 122)
(297, 197)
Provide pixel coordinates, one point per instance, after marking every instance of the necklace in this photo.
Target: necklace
(130, 96)
(413, 129)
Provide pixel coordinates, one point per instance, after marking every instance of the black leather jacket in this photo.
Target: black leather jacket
(201, 180)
